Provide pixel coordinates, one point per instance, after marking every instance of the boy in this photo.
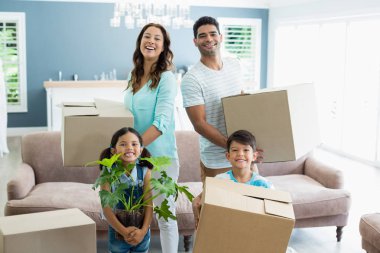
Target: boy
(241, 153)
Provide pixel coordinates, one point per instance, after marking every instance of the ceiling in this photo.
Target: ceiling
(219, 3)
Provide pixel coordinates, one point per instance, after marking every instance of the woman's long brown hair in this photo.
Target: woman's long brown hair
(163, 63)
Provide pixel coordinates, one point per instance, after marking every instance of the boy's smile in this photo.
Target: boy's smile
(240, 155)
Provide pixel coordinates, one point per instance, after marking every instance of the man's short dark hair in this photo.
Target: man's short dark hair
(206, 20)
(243, 137)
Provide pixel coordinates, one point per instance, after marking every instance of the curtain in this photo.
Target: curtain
(3, 114)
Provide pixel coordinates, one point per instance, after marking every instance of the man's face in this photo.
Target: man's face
(208, 40)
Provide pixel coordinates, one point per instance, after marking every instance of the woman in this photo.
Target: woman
(150, 96)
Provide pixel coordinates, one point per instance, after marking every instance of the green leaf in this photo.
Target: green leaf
(108, 199)
(108, 162)
(184, 190)
(159, 163)
(167, 187)
(164, 212)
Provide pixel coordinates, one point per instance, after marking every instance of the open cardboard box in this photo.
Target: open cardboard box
(284, 120)
(87, 129)
(242, 218)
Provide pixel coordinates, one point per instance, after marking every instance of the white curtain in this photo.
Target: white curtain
(3, 114)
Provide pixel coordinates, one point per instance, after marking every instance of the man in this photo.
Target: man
(203, 87)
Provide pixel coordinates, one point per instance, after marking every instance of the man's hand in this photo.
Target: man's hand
(259, 155)
(197, 205)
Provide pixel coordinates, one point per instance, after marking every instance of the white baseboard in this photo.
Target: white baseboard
(19, 131)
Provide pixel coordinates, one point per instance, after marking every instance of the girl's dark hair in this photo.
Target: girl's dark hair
(106, 153)
(243, 137)
(206, 20)
(164, 62)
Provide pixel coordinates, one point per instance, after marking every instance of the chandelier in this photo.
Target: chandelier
(137, 13)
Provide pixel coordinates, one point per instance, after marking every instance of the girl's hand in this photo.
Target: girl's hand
(127, 233)
(136, 237)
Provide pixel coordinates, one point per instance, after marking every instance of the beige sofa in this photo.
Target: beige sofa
(317, 191)
(42, 184)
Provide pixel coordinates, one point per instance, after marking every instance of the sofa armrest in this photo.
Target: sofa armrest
(21, 184)
(326, 175)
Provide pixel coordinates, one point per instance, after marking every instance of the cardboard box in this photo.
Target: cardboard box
(283, 120)
(242, 218)
(62, 231)
(87, 129)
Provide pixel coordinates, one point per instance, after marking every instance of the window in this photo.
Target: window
(342, 58)
(242, 39)
(13, 55)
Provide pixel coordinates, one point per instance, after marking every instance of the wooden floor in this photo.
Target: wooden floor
(361, 180)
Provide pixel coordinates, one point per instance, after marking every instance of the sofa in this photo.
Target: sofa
(42, 184)
(317, 191)
(369, 228)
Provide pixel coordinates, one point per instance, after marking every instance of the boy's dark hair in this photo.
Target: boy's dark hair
(205, 20)
(242, 137)
(106, 153)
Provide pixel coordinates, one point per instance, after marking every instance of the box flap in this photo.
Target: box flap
(279, 209)
(80, 111)
(232, 200)
(78, 104)
(249, 190)
(108, 108)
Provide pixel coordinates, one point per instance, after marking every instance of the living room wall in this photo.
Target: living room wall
(75, 37)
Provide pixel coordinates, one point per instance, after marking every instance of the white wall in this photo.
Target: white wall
(322, 9)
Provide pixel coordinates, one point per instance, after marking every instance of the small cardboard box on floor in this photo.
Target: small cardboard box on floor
(242, 218)
(283, 120)
(61, 231)
(87, 129)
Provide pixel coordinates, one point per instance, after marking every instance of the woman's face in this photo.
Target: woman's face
(152, 43)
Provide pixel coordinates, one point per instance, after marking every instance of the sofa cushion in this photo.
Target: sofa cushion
(370, 229)
(60, 195)
(310, 198)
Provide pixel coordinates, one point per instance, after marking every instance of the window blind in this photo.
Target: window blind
(13, 56)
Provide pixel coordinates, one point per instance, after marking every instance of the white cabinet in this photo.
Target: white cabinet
(78, 91)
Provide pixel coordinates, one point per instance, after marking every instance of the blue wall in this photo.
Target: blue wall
(77, 38)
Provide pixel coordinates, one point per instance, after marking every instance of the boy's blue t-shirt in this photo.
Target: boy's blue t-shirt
(256, 179)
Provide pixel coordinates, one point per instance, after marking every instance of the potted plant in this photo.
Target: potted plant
(132, 214)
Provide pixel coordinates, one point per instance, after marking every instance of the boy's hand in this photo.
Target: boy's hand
(136, 237)
(197, 205)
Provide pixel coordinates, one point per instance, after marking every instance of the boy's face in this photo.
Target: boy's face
(208, 40)
(240, 155)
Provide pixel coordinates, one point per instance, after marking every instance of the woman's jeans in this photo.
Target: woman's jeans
(168, 229)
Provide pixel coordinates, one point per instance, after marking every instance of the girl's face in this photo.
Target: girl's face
(129, 148)
(152, 43)
(240, 155)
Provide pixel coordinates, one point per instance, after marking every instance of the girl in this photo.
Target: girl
(150, 96)
(128, 143)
